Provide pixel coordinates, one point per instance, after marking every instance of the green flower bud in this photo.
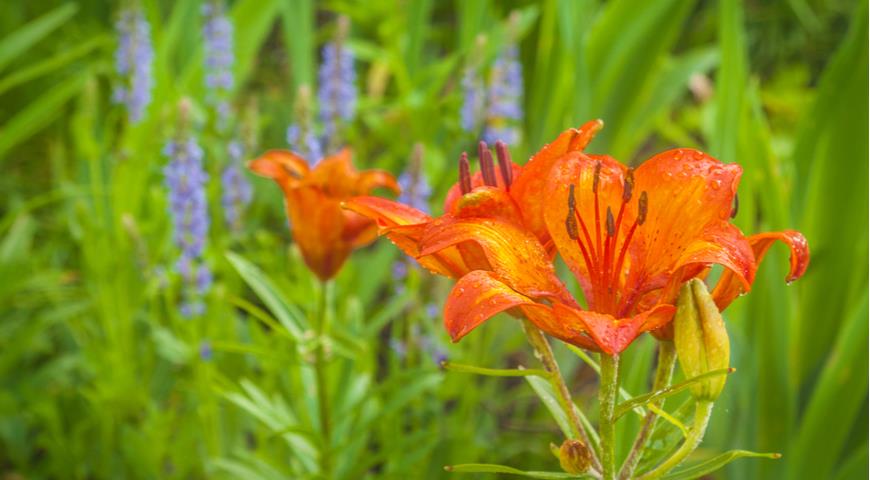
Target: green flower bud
(700, 339)
(574, 456)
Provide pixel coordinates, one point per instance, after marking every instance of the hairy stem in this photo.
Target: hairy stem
(664, 372)
(607, 400)
(545, 355)
(322, 394)
(696, 434)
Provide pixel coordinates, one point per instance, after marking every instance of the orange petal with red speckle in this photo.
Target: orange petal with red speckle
(614, 335)
(730, 285)
(477, 297)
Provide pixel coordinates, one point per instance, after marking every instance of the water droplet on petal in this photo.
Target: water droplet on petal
(716, 184)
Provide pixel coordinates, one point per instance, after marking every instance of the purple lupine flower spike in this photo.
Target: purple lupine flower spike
(473, 93)
(416, 192)
(186, 180)
(219, 57)
(134, 62)
(472, 100)
(205, 351)
(305, 143)
(237, 191)
(504, 99)
(336, 93)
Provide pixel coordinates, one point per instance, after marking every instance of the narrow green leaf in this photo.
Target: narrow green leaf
(730, 81)
(835, 403)
(494, 372)
(38, 114)
(545, 392)
(646, 398)
(855, 465)
(25, 37)
(270, 295)
(715, 463)
(52, 63)
(297, 20)
(493, 468)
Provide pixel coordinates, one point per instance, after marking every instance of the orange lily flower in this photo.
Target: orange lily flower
(631, 238)
(325, 233)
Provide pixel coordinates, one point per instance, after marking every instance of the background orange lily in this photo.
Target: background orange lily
(325, 233)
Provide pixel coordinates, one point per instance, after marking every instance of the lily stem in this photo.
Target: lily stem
(696, 434)
(607, 400)
(322, 394)
(664, 372)
(548, 360)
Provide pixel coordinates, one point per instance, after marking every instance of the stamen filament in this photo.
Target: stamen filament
(464, 174)
(595, 179)
(571, 226)
(487, 169)
(505, 164)
(608, 255)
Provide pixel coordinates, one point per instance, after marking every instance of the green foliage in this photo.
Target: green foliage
(103, 378)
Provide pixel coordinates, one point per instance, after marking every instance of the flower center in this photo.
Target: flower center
(604, 255)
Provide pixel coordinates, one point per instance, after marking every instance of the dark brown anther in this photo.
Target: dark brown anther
(464, 174)
(596, 177)
(628, 186)
(570, 220)
(611, 224)
(505, 164)
(487, 168)
(641, 208)
(735, 207)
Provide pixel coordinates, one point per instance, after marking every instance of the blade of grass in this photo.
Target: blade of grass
(20, 41)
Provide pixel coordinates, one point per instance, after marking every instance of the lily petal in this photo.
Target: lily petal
(531, 188)
(318, 224)
(369, 180)
(560, 326)
(386, 212)
(404, 226)
(730, 284)
(613, 335)
(511, 252)
(336, 175)
(687, 191)
(477, 297)
(279, 165)
(487, 202)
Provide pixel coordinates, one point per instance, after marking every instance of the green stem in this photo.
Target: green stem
(607, 427)
(322, 394)
(545, 355)
(664, 372)
(696, 434)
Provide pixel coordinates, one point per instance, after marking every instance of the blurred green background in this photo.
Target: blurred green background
(102, 378)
